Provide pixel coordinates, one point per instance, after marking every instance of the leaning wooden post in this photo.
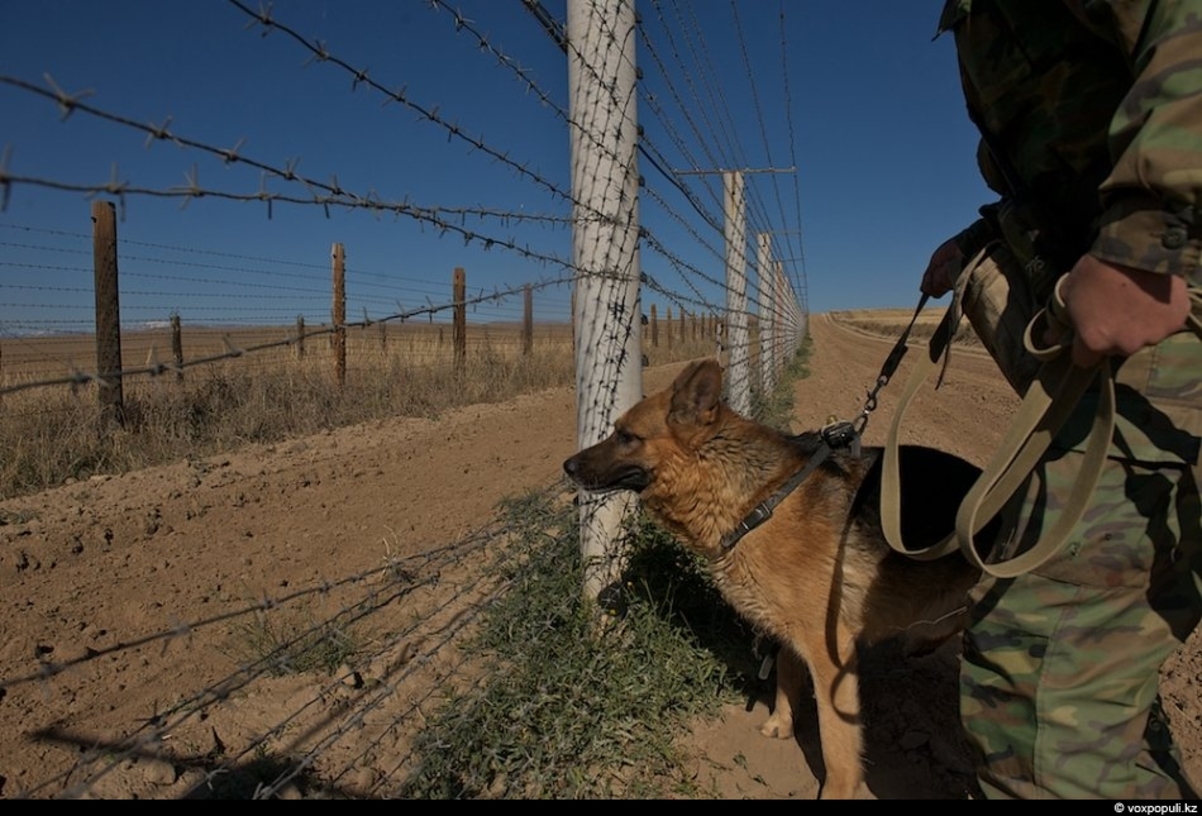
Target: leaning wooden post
(300, 337)
(338, 314)
(459, 330)
(528, 321)
(177, 347)
(108, 314)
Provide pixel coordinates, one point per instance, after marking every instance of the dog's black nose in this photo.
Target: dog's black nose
(570, 466)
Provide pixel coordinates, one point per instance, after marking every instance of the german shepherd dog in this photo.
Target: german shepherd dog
(817, 575)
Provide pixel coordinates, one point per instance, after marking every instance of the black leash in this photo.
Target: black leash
(888, 369)
(763, 511)
(835, 435)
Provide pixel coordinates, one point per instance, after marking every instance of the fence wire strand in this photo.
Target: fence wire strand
(345, 721)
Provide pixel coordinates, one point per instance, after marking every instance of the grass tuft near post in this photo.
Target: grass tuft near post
(570, 712)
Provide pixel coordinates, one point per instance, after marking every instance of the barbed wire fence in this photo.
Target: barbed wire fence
(708, 259)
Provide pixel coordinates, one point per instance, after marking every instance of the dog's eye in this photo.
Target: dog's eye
(626, 437)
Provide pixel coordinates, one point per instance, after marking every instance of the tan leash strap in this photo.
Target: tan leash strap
(890, 467)
(1048, 403)
(1044, 410)
(939, 347)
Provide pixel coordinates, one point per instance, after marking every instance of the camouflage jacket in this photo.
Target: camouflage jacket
(1091, 112)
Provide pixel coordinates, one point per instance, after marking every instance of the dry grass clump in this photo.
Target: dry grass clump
(50, 435)
(570, 710)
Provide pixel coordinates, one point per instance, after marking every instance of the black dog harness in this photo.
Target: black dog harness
(835, 435)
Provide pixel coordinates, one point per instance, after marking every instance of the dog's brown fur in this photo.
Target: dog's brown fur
(817, 575)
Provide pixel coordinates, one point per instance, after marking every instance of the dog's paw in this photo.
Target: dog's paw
(777, 728)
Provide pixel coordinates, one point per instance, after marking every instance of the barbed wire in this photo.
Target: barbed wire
(335, 198)
(757, 215)
(645, 147)
(352, 272)
(192, 190)
(755, 211)
(483, 43)
(417, 660)
(396, 579)
(320, 53)
(801, 289)
(154, 369)
(759, 111)
(312, 731)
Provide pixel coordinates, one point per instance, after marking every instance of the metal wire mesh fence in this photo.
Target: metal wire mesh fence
(658, 239)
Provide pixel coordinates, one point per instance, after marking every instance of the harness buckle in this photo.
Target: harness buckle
(759, 514)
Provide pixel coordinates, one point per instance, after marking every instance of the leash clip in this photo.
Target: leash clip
(842, 434)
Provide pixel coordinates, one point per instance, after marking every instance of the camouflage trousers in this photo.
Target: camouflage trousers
(1060, 671)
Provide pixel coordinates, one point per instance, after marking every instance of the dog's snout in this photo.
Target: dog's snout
(571, 466)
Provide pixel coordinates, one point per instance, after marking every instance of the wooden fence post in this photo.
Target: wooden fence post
(108, 314)
(654, 327)
(338, 314)
(668, 327)
(528, 322)
(300, 337)
(459, 332)
(177, 347)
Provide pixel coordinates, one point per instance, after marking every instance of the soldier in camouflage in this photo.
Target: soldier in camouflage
(1091, 121)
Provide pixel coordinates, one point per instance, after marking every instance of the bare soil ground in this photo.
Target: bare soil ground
(119, 593)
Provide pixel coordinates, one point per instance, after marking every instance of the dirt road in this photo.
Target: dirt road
(114, 588)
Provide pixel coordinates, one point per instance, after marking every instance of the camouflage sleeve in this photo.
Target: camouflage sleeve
(1152, 212)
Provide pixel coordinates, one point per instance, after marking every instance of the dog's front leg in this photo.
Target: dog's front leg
(790, 675)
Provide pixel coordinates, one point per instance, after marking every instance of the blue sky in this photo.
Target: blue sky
(883, 149)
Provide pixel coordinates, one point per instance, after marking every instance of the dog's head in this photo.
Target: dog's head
(653, 433)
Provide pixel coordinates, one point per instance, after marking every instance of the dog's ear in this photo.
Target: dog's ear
(696, 394)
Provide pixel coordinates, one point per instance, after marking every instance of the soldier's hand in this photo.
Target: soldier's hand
(944, 268)
(1117, 310)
